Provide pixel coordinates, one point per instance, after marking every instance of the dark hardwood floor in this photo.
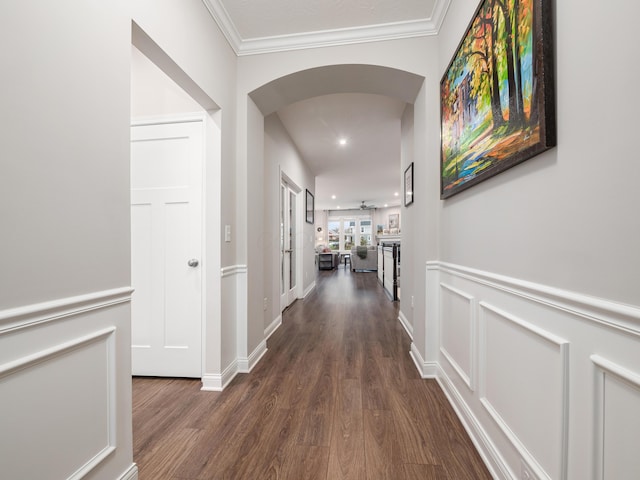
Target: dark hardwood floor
(335, 397)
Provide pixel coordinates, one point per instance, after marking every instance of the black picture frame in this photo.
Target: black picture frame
(497, 96)
(309, 208)
(408, 185)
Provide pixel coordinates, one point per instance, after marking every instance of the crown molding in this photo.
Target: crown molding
(222, 18)
(325, 38)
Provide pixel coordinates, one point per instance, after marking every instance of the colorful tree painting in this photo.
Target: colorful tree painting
(496, 97)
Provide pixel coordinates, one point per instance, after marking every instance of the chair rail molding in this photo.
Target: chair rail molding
(38, 313)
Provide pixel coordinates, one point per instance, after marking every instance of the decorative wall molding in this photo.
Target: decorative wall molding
(343, 36)
(611, 314)
(271, 329)
(617, 370)
(29, 367)
(38, 313)
(604, 368)
(533, 368)
(404, 321)
(467, 376)
(232, 270)
(562, 347)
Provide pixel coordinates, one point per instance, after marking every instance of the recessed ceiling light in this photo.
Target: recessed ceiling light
(396, 194)
(338, 207)
(386, 205)
(333, 197)
(342, 141)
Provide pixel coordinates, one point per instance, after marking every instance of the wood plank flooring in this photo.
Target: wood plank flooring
(336, 397)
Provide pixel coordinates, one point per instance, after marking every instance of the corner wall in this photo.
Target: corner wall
(207, 62)
(65, 380)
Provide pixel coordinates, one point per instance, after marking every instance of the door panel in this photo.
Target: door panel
(166, 231)
(288, 251)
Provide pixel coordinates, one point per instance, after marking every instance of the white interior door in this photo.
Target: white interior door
(166, 249)
(288, 245)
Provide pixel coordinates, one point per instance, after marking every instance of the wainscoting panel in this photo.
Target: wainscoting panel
(523, 386)
(547, 383)
(458, 331)
(65, 388)
(618, 421)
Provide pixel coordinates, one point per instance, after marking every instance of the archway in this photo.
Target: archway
(262, 231)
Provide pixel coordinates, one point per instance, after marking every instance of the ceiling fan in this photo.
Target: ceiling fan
(363, 206)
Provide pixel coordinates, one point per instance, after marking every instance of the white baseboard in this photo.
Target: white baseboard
(270, 330)
(406, 324)
(426, 369)
(245, 365)
(309, 289)
(485, 447)
(216, 382)
(130, 474)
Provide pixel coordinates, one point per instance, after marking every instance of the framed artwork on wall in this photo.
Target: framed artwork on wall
(408, 185)
(309, 207)
(394, 220)
(497, 99)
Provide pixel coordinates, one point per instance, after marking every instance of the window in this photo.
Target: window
(346, 232)
(334, 234)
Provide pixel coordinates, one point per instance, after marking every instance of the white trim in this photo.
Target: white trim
(488, 451)
(131, 473)
(309, 289)
(605, 312)
(468, 378)
(23, 363)
(232, 270)
(563, 349)
(340, 36)
(38, 313)
(187, 117)
(216, 382)
(610, 367)
(426, 369)
(604, 367)
(245, 365)
(227, 27)
(271, 329)
(404, 321)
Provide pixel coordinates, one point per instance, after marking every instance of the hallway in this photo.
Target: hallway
(336, 397)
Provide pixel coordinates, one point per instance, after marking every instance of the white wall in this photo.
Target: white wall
(153, 93)
(65, 384)
(381, 215)
(281, 156)
(567, 210)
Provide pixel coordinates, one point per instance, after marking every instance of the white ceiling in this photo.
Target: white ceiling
(368, 167)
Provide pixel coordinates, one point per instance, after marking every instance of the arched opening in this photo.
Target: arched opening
(267, 161)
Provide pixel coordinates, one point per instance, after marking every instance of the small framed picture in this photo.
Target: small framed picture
(394, 220)
(309, 207)
(408, 185)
